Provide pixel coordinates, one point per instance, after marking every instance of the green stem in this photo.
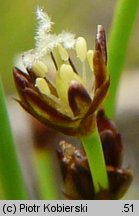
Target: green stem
(93, 148)
(123, 20)
(46, 176)
(11, 178)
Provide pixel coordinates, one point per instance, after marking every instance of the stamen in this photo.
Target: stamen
(40, 69)
(64, 77)
(54, 61)
(63, 52)
(81, 48)
(90, 54)
(72, 65)
(84, 75)
(67, 74)
(42, 85)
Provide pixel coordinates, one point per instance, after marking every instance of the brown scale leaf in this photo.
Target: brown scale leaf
(101, 42)
(99, 69)
(79, 99)
(100, 94)
(111, 140)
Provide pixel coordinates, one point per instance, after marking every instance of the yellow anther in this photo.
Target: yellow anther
(90, 54)
(40, 69)
(42, 85)
(67, 74)
(63, 53)
(64, 77)
(81, 48)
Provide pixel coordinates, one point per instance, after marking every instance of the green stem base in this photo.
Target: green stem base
(93, 148)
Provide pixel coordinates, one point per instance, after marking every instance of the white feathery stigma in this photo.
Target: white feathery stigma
(45, 40)
(29, 58)
(67, 39)
(44, 21)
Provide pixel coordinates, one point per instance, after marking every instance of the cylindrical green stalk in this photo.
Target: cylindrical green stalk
(93, 148)
(123, 20)
(45, 175)
(12, 182)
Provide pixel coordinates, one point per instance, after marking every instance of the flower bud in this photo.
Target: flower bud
(77, 176)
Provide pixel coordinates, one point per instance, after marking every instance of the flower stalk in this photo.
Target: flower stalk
(93, 148)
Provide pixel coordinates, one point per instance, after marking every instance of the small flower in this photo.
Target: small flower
(76, 172)
(56, 92)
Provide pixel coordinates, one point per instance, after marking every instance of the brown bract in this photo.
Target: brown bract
(79, 118)
(111, 140)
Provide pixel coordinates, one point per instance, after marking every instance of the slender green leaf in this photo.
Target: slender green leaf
(12, 182)
(123, 20)
(45, 175)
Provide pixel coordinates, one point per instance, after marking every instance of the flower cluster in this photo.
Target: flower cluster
(63, 84)
(76, 172)
(61, 95)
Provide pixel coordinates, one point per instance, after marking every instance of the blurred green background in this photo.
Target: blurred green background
(18, 23)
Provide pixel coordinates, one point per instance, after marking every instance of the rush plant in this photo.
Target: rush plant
(73, 100)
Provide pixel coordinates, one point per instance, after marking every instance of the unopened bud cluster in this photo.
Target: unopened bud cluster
(76, 172)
